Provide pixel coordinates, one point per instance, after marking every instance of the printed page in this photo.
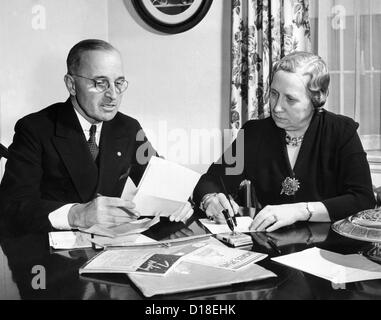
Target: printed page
(215, 228)
(117, 261)
(223, 257)
(147, 262)
(158, 264)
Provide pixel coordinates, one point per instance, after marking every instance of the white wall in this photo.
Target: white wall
(177, 81)
(35, 38)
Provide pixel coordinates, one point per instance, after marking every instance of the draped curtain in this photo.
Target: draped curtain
(263, 31)
(347, 36)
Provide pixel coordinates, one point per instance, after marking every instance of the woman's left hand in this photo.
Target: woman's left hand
(272, 218)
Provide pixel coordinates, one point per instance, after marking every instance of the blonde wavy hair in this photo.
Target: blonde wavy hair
(307, 64)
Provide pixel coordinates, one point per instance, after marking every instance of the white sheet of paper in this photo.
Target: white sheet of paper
(66, 240)
(164, 188)
(215, 228)
(133, 227)
(129, 190)
(127, 240)
(337, 268)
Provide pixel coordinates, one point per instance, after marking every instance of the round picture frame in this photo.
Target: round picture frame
(172, 16)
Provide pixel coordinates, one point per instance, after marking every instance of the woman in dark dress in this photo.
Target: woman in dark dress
(307, 164)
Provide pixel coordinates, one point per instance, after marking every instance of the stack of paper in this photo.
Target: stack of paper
(205, 274)
(164, 188)
(66, 240)
(123, 241)
(200, 264)
(337, 268)
(133, 227)
(209, 252)
(147, 262)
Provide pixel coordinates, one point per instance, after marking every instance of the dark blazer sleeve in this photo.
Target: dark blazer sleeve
(354, 185)
(37, 181)
(143, 153)
(21, 205)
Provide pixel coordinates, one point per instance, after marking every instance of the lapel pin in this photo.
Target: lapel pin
(119, 154)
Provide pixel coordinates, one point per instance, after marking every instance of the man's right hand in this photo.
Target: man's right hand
(102, 210)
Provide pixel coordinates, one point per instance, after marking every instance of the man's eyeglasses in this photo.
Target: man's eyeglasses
(102, 84)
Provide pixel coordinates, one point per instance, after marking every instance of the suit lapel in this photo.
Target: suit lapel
(113, 155)
(71, 145)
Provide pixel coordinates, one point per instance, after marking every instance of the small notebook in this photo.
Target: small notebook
(236, 239)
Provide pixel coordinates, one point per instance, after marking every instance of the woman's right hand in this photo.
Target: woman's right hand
(215, 204)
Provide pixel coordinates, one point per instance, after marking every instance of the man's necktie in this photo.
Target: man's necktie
(94, 150)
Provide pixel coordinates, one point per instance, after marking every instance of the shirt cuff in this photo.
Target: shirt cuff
(60, 218)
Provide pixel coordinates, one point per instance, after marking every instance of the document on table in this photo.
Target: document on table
(131, 261)
(337, 268)
(133, 227)
(243, 223)
(223, 257)
(190, 276)
(66, 240)
(164, 188)
(153, 259)
(123, 241)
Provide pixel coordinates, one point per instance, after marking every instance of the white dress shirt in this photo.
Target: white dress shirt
(59, 218)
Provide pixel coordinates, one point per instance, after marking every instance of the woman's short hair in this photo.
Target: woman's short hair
(73, 60)
(306, 63)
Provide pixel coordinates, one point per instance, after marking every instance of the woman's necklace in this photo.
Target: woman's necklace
(294, 141)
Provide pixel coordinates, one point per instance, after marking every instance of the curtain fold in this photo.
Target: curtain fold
(263, 31)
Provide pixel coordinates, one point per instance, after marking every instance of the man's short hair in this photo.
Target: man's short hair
(306, 63)
(73, 60)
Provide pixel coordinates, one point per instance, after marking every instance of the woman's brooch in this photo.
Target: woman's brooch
(290, 186)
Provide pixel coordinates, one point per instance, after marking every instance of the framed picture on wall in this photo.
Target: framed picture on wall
(172, 16)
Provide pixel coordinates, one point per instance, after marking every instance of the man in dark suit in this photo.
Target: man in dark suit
(67, 164)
